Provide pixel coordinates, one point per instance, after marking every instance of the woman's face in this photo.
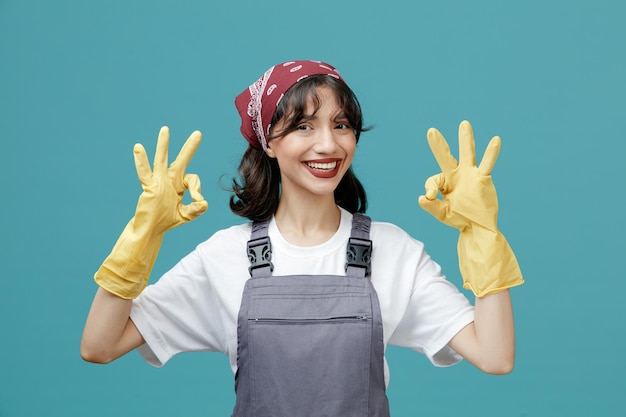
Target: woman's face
(314, 157)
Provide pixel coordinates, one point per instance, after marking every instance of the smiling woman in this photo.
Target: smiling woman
(305, 298)
(257, 196)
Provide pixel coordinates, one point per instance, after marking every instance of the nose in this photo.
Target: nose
(325, 141)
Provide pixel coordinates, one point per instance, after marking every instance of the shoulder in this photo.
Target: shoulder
(224, 239)
(385, 233)
(396, 253)
(388, 234)
(225, 247)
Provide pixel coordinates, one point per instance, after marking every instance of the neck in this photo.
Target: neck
(307, 222)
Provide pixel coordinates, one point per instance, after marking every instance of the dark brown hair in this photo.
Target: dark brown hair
(257, 192)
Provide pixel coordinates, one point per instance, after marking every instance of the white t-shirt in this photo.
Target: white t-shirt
(194, 306)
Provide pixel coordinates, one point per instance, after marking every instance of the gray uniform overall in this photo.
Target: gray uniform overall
(310, 345)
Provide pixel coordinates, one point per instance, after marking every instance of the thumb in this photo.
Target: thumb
(192, 183)
(198, 205)
(193, 210)
(434, 185)
(436, 207)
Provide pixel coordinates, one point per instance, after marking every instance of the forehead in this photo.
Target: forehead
(323, 98)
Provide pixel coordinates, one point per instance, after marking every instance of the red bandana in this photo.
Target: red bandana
(257, 103)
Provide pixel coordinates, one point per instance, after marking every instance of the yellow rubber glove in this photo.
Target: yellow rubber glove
(126, 270)
(469, 203)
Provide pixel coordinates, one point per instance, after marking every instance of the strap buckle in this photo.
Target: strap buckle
(359, 254)
(260, 254)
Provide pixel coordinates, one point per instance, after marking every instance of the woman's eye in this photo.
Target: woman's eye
(303, 127)
(343, 126)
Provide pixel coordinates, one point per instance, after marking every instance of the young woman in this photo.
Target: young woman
(305, 297)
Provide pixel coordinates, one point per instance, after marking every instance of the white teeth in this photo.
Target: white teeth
(329, 166)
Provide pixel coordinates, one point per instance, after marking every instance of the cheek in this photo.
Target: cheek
(350, 148)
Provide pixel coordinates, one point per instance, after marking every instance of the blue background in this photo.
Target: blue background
(81, 82)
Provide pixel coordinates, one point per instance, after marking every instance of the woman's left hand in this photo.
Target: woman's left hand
(470, 204)
(469, 196)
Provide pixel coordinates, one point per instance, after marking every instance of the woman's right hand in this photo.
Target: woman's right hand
(126, 270)
(160, 207)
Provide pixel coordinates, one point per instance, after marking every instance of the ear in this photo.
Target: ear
(270, 151)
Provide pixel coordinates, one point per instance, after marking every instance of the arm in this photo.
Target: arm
(489, 342)
(109, 333)
(486, 261)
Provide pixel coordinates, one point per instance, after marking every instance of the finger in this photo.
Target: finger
(186, 152)
(193, 210)
(142, 165)
(467, 151)
(435, 207)
(199, 205)
(490, 156)
(433, 185)
(192, 183)
(441, 150)
(160, 156)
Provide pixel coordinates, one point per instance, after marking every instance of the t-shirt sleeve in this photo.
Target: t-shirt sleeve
(193, 306)
(436, 311)
(171, 314)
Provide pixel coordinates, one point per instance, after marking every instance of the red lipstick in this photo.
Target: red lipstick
(323, 168)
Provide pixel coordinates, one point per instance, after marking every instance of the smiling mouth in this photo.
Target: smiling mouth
(322, 166)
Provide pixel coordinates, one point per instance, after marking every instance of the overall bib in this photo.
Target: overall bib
(310, 345)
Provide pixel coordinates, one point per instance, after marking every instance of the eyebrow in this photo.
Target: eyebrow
(307, 117)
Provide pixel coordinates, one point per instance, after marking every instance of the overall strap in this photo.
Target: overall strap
(359, 250)
(260, 251)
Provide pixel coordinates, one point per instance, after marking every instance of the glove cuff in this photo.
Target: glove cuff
(126, 270)
(487, 262)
